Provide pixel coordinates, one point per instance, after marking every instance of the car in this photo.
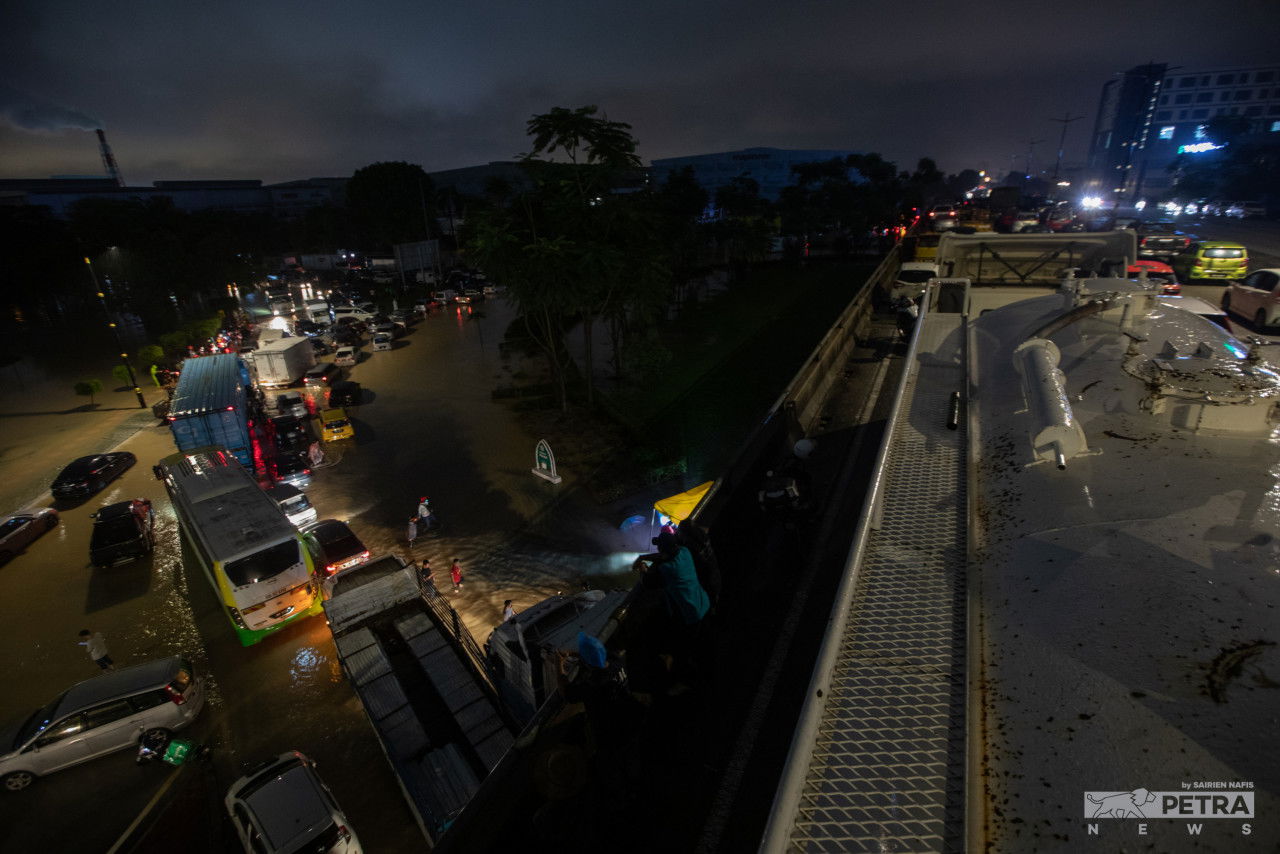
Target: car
(124, 530)
(324, 373)
(292, 432)
(322, 347)
(20, 529)
(1014, 221)
(334, 546)
(387, 327)
(462, 299)
(1255, 297)
(292, 403)
(912, 278)
(1211, 259)
(87, 475)
(383, 341)
(282, 805)
(489, 290)
(345, 393)
(346, 356)
(112, 711)
(345, 335)
(1161, 240)
(473, 293)
(1156, 271)
(294, 502)
(335, 425)
(293, 468)
(403, 319)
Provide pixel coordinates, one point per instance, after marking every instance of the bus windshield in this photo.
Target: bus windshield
(264, 564)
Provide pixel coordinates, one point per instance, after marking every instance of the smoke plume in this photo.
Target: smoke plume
(27, 112)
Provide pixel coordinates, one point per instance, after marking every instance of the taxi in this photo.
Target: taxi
(1212, 259)
(336, 426)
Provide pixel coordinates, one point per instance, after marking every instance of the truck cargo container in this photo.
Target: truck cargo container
(422, 681)
(211, 406)
(283, 362)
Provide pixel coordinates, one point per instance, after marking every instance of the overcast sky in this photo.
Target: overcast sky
(280, 91)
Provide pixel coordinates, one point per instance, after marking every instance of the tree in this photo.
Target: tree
(390, 203)
(88, 388)
(121, 375)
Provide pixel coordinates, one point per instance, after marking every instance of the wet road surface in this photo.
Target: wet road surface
(427, 426)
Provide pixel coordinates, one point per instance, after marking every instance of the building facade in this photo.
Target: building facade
(1151, 114)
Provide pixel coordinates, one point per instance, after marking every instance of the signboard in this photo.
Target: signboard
(544, 462)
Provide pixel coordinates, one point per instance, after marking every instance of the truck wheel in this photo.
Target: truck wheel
(16, 781)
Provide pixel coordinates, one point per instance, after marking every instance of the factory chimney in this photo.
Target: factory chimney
(109, 159)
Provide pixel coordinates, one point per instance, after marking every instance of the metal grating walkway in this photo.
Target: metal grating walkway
(887, 770)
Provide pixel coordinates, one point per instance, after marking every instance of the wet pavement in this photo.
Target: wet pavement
(428, 426)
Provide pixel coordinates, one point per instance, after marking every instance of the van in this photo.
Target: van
(1211, 259)
(101, 715)
(351, 311)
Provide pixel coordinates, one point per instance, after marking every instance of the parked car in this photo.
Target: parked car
(346, 357)
(462, 299)
(294, 502)
(383, 341)
(1158, 272)
(122, 531)
(335, 425)
(87, 475)
(282, 805)
(322, 347)
(1211, 259)
(334, 546)
(18, 531)
(345, 393)
(109, 712)
(292, 432)
(324, 373)
(292, 403)
(1256, 297)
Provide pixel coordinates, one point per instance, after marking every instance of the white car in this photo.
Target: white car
(346, 357)
(291, 403)
(1256, 297)
(382, 341)
(283, 805)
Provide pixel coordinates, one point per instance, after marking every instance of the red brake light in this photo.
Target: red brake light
(174, 695)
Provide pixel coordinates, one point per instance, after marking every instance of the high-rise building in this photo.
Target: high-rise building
(1151, 114)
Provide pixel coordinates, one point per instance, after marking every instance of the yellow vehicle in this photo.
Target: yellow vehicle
(335, 425)
(1211, 259)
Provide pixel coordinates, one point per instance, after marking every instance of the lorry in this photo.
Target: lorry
(421, 679)
(284, 361)
(210, 406)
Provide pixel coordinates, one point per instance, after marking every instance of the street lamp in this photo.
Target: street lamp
(115, 334)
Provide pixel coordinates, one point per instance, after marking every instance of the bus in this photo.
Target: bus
(254, 557)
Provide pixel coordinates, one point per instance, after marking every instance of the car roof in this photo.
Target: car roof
(329, 528)
(333, 414)
(1221, 244)
(282, 491)
(114, 511)
(321, 367)
(119, 683)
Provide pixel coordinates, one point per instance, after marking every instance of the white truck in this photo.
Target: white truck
(282, 362)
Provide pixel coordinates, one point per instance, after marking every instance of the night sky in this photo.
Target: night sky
(280, 91)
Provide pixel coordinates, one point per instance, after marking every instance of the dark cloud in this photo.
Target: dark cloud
(27, 112)
(286, 90)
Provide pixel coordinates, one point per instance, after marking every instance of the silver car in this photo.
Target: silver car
(283, 805)
(101, 715)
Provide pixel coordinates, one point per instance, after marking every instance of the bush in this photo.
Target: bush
(121, 374)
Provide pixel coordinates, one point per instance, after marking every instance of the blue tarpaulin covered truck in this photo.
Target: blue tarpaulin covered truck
(210, 406)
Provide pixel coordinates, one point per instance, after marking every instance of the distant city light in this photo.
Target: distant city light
(1089, 202)
(1142, 203)
(1198, 147)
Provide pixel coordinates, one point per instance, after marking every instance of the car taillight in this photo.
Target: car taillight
(1186, 241)
(344, 833)
(174, 695)
(1142, 242)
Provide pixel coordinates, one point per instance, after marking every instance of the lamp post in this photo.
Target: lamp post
(115, 335)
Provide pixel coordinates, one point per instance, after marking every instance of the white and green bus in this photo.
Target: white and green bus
(251, 553)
